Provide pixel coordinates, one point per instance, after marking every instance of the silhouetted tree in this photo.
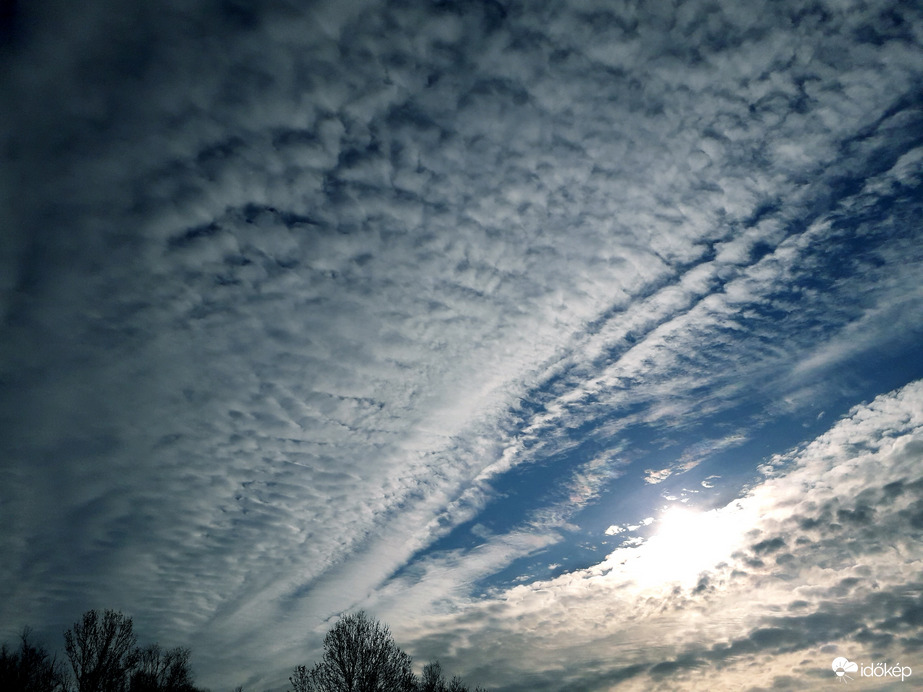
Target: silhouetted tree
(31, 669)
(359, 656)
(432, 680)
(100, 648)
(458, 686)
(300, 679)
(158, 670)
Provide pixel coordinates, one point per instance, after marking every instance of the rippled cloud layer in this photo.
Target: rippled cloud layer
(450, 311)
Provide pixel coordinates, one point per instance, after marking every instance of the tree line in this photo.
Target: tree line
(102, 655)
(360, 655)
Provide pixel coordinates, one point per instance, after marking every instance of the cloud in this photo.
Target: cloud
(290, 295)
(614, 530)
(654, 477)
(692, 457)
(827, 575)
(710, 481)
(585, 485)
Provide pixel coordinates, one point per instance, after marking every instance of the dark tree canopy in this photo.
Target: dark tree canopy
(30, 669)
(159, 670)
(103, 656)
(359, 656)
(433, 680)
(101, 651)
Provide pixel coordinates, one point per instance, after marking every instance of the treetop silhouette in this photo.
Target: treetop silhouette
(360, 655)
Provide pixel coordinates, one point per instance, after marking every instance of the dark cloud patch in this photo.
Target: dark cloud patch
(834, 621)
(759, 640)
(619, 674)
(704, 585)
(914, 515)
(240, 14)
(862, 514)
(893, 489)
(193, 235)
(489, 13)
(911, 616)
(779, 682)
(668, 668)
(888, 25)
(784, 559)
(770, 545)
(844, 586)
(873, 640)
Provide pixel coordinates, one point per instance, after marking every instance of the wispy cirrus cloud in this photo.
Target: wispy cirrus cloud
(692, 457)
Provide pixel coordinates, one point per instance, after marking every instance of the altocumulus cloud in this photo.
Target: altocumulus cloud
(290, 294)
(819, 557)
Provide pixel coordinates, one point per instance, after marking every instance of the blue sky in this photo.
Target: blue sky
(577, 341)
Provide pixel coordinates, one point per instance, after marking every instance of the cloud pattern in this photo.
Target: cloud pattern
(293, 299)
(827, 540)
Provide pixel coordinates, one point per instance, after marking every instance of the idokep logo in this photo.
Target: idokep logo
(841, 666)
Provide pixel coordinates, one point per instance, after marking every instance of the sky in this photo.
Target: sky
(579, 342)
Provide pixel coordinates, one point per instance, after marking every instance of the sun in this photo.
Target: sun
(686, 542)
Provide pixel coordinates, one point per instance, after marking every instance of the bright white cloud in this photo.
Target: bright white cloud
(778, 570)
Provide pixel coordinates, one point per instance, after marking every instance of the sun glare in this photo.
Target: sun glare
(685, 543)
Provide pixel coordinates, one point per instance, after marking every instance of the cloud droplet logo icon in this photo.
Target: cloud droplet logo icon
(842, 665)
